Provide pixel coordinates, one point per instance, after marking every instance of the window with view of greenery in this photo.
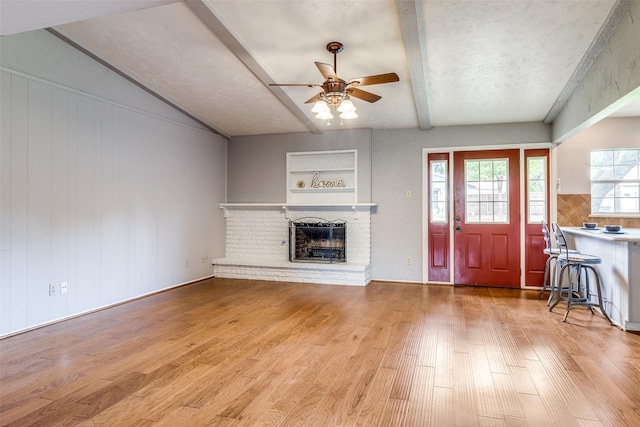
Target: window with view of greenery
(487, 191)
(615, 181)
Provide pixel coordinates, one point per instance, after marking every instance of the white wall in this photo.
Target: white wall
(42, 55)
(114, 200)
(573, 154)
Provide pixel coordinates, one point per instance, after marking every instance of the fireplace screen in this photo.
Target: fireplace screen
(317, 240)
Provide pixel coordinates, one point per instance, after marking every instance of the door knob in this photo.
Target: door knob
(457, 218)
(458, 228)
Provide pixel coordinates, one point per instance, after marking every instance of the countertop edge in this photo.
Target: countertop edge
(631, 234)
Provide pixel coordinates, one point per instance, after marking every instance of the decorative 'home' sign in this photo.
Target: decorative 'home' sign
(316, 182)
(322, 177)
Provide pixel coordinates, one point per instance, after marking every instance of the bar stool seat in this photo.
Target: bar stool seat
(549, 277)
(579, 291)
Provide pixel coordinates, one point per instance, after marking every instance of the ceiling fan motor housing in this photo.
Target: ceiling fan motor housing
(334, 91)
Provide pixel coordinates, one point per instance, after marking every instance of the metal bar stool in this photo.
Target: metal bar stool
(577, 267)
(549, 279)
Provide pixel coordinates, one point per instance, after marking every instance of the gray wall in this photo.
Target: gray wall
(102, 187)
(257, 164)
(257, 170)
(396, 228)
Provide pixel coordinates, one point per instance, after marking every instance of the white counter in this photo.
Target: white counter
(625, 235)
(620, 270)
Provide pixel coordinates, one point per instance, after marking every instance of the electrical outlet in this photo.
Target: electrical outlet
(52, 290)
(63, 288)
(408, 260)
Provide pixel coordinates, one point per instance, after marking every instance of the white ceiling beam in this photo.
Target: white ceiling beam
(613, 77)
(413, 36)
(207, 13)
(599, 41)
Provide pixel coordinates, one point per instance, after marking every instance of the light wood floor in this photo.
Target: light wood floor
(231, 353)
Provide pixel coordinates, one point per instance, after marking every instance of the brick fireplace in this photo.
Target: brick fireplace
(257, 244)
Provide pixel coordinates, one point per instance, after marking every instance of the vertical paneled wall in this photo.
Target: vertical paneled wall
(114, 201)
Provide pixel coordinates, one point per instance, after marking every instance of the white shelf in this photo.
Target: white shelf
(312, 170)
(297, 205)
(335, 168)
(315, 190)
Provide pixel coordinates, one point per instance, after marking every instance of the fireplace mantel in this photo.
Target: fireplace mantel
(286, 207)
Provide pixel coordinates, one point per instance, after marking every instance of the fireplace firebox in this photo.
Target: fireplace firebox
(317, 240)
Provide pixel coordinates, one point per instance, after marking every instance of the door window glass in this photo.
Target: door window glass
(536, 189)
(438, 189)
(487, 191)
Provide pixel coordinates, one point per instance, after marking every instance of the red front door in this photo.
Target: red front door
(487, 218)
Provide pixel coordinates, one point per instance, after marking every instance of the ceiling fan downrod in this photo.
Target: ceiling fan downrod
(335, 48)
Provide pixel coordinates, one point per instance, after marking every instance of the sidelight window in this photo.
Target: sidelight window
(439, 190)
(536, 189)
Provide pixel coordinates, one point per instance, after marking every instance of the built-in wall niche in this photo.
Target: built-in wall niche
(322, 177)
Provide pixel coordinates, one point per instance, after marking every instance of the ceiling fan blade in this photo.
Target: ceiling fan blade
(364, 95)
(327, 71)
(314, 99)
(296, 84)
(375, 80)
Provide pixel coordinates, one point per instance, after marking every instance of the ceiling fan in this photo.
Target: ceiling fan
(336, 92)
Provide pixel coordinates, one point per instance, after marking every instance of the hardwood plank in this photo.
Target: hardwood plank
(234, 352)
(444, 364)
(421, 398)
(442, 412)
(394, 413)
(404, 378)
(507, 396)
(465, 390)
(375, 403)
(537, 414)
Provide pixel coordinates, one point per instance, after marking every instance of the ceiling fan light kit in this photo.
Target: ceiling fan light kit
(324, 115)
(336, 93)
(320, 107)
(348, 115)
(346, 105)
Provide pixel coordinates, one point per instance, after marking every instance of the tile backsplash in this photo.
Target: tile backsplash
(574, 209)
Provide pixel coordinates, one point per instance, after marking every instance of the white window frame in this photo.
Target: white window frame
(613, 182)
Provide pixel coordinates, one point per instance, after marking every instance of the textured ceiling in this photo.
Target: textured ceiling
(459, 62)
